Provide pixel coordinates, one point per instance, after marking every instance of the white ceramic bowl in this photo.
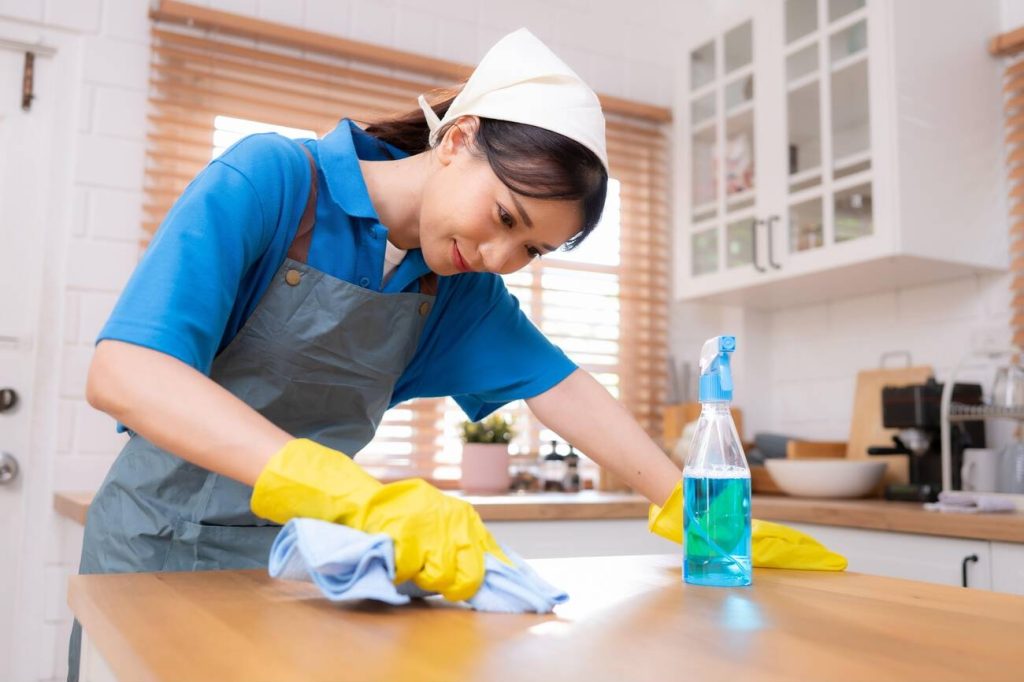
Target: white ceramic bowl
(825, 477)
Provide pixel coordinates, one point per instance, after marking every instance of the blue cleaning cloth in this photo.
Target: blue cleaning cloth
(348, 564)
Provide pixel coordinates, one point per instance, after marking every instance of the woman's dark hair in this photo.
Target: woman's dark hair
(531, 161)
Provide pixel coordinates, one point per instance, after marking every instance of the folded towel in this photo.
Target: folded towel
(348, 564)
(962, 502)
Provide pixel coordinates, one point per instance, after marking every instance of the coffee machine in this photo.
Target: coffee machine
(916, 411)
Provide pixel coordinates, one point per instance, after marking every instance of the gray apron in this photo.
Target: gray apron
(318, 357)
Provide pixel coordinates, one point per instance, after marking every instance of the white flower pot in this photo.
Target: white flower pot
(485, 468)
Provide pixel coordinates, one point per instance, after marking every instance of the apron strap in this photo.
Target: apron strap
(299, 249)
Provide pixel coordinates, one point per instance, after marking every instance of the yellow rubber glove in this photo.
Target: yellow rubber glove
(440, 541)
(773, 545)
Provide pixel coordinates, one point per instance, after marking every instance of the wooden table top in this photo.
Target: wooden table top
(628, 618)
(871, 514)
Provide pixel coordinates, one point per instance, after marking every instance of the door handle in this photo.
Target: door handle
(771, 256)
(753, 246)
(963, 567)
(8, 468)
(8, 399)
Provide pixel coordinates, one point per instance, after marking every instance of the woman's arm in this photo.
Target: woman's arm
(581, 411)
(181, 410)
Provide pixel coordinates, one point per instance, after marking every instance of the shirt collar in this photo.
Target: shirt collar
(339, 155)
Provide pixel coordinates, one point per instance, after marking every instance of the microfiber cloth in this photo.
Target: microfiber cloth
(970, 503)
(348, 564)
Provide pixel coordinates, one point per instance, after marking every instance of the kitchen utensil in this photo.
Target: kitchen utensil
(980, 472)
(826, 477)
(1008, 387)
(1011, 468)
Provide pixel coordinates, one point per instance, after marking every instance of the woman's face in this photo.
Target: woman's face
(471, 221)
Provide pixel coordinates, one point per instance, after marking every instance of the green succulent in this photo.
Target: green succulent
(493, 429)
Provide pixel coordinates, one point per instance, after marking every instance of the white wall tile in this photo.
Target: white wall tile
(374, 22)
(288, 12)
(417, 32)
(110, 61)
(73, 371)
(120, 113)
(126, 19)
(80, 212)
(329, 16)
(81, 472)
(956, 299)
(66, 425)
(96, 432)
(85, 108)
(458, 41)
(110, 161)
(94, 310)
(115, 214)
(31, 10)
(103, 266)
(71, 317)
(77, 15)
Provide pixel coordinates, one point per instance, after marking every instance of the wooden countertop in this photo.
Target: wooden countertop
(627, 618)
(872, 514)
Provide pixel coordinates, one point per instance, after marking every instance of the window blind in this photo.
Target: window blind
(215, 76)
(1009, 46)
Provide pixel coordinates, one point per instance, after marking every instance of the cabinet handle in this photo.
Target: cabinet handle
(753, 244)
(771, 257)
(963, 567)
(8, 399)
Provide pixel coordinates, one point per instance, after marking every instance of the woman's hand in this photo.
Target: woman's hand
(440, 541)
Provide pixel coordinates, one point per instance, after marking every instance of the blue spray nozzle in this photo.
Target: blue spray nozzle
(715, 371)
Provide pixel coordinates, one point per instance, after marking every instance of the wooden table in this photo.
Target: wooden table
(629, 618)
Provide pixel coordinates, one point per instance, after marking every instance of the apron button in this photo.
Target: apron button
(293, 277)
(424, 309)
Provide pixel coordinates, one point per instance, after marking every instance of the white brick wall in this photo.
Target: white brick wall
(620, 53)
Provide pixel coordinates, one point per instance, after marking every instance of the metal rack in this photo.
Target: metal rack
(956, 412)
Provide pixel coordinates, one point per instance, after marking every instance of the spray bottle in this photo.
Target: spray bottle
(716, 481)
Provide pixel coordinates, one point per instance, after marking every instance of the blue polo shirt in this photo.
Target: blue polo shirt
(221, 243)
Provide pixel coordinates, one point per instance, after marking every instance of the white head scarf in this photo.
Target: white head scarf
(521, 80)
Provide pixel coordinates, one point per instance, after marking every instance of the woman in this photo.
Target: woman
(297, 290)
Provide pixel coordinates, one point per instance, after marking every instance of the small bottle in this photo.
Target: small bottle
(553, 471)
(716, 482)
(571, 484)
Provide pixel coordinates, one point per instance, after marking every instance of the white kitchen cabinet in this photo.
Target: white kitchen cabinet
(927, 558)
(580, 537)
(1008, 567)
(834, 147)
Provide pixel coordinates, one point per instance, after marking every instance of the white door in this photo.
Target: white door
(26, 220)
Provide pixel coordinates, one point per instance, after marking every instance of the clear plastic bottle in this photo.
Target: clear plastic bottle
(716, 482)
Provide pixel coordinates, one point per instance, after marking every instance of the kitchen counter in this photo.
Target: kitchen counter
(871, 514)
(629, 617)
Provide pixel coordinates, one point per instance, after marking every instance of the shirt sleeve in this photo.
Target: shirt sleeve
(485, 351)
(181, 294)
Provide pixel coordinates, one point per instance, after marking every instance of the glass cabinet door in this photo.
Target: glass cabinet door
(721, 139)
(829, 168)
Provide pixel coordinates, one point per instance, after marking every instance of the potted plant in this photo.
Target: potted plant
(485, 457)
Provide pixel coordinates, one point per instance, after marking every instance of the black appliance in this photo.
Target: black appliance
(916, 411)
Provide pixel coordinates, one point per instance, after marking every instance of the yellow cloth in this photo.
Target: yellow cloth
(773, 545)
(440, 540)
